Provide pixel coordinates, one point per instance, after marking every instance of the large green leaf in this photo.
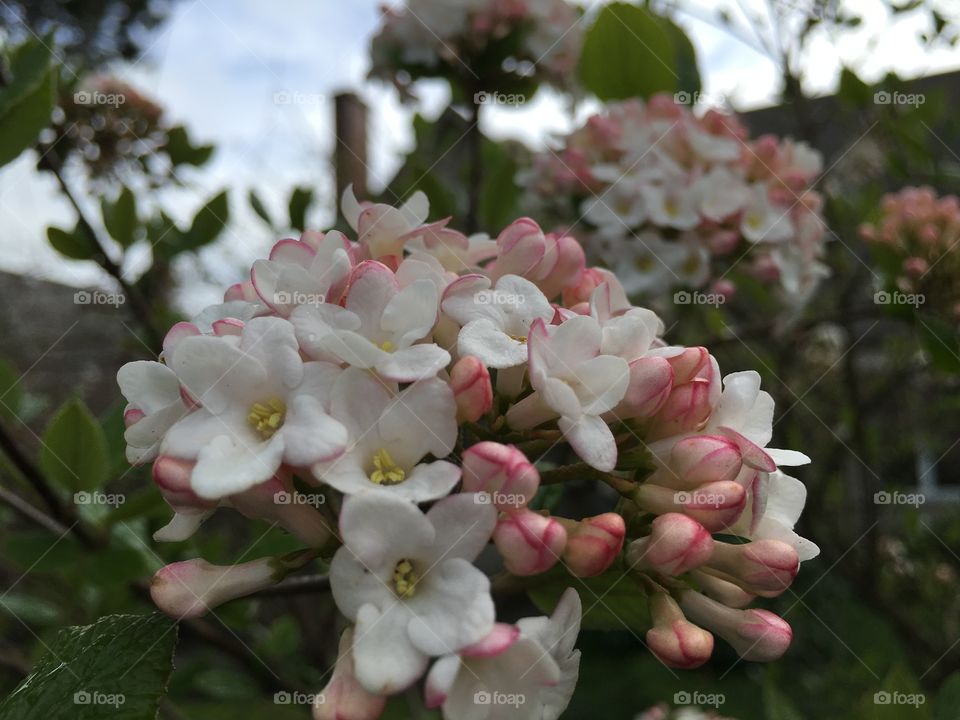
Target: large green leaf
(73, 244)
(258, 207)
(74, 452)
(120, 217)
(117, 668)
(630, 52)
(300, 200)
(613, 600)
(947, 705)
(208, 223)
(182, 151)
(28, 100)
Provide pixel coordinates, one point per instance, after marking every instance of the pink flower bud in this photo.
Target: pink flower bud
(915, 267)
(756, 635)
(724, 288)
(676, 544)
(529, 542)
(691, 363)
(276, 500)
(593, 544)
(172, 477)
(562, 265)
(721, 590)
(501, 471)
(686, 410)
(344, 698)
(762, 567)
(470, 382)
(580, 292)
(520, 246)
(715, 505)
(191, 588)
(651, 381)
(675, 641)
(705, 458)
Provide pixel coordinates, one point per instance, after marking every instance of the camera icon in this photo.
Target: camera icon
(683, 98)
(882, 698)
(81, 498)
(882, 97)
(682, 498)
(282, 98)
(882, 297)
(82, 297)
(682, 297)
(682, 698)
(480, 98)
(282, 297)
(82, 97)
(482, 498)
(882, 498)
(81, 697)
(282, 498)
(484, 298)
(481, 697)
(282, 698)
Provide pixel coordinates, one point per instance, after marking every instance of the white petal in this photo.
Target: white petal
(350, 207)
(452, 608)
(575, 341)
(603, 382)
(216, 372)
(379, 529)
(422, 420)
(372, 287)
(416, 362)
(229, 465)
(463, 526)
(149, 385)
(354, 584)
(592, 440)
(273, 342)
(427, 481)
(412, 313)
(787, 457)
(309, 434)
(440, 680)
(386, 662)
(463, 300)
(491, 345)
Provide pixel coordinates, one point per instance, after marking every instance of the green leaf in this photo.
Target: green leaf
(941, 342)
(947, 704)
(120, 217)
(70, 243)
(300, 200)
(11, 391)
(74, 451)
(258, 207)
(630, 52)
(182, 152)
(118, 667)
(27, 102)
(898, 696)
(613, 600)
(208, 223)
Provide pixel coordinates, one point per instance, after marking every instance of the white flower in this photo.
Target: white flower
(762, 220)
(721, 193)
(573, 380)
(672, 206)
(302, 272)
(495, 321)
(645, 263)
(528, 670)
(260, 406)
(383, 230)
(773, 509)
(617, 210)
(407, 581)
(388, 436)
(153, 393)
(378, 328)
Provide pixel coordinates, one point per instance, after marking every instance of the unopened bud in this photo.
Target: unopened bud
(593, 544)
(191, 588)
(677, 642)
(756, 635)
(715, 505)
(344, 698)
(529, 542)
(762, 567)
(501, 471)
(676, 545)
(470, 382)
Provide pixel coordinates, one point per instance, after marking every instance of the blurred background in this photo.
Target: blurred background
(151, 150)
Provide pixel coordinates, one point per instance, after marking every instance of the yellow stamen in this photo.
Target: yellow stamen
(405, 579)
(520, 338)
(387, 346)
(267, 417)
(387, 472)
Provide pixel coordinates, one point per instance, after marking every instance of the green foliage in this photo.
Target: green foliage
(118, 668)
(28, 100)
(182, 151)
(74, 451)
(631, 52)
(11, 391)
(73, 244)
(258, 207)
(168, 240)
(300, 200)
(120, 217)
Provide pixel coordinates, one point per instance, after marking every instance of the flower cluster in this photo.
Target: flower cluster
(518, 40)
(676, 200)
(416, 377)
(917, 236)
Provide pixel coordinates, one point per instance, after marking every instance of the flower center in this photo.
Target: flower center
(386, 471)
(267, 417)
(519, 338)
(387, 346)
(405, 579)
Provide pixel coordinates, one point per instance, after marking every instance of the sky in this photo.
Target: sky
(216, 66)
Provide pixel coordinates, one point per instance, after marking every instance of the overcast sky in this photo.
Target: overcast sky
(216, 64)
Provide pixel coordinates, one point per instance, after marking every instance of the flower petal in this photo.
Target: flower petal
(463, 525)
(592, 440)
(386, 661)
